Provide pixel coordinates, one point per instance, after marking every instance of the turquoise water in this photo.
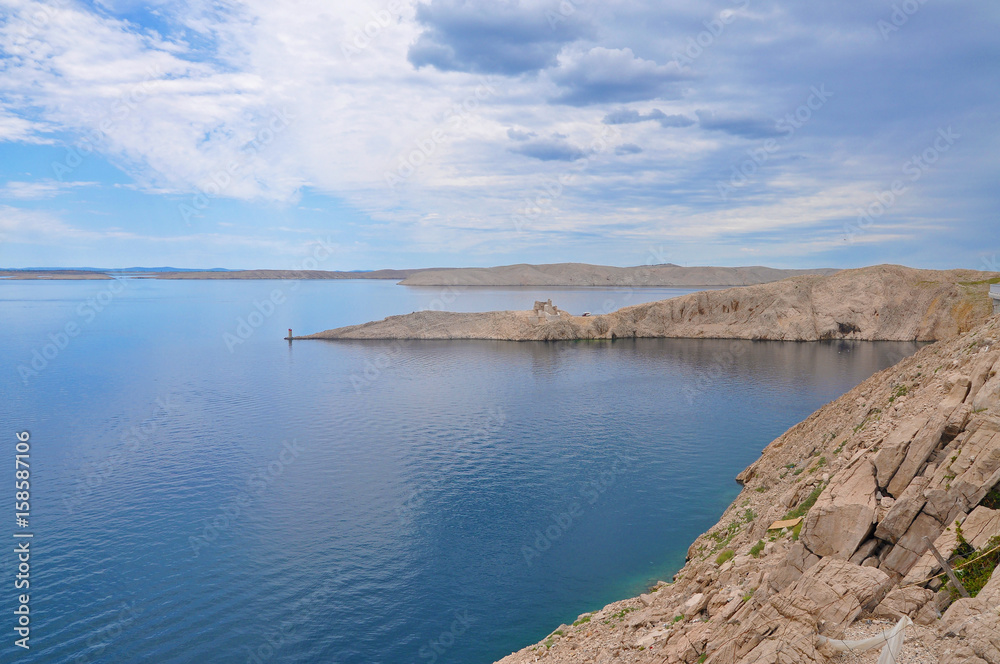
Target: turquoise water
(196, 498)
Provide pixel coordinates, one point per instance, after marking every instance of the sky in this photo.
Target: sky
(490, 132)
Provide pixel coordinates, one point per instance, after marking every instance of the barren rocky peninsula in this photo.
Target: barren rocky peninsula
(884, 302)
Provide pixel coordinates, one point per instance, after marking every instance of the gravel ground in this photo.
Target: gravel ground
(914, 651)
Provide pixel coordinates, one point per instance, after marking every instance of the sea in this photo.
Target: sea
(202, 490)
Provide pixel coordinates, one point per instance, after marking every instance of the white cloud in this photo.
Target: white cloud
(39, 189)
(258, 100)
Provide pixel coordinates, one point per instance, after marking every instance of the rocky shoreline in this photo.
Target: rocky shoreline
(909, 454)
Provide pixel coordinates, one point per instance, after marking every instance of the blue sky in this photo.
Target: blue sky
(443, 132)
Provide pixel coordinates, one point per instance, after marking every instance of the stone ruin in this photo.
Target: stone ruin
(545, 311)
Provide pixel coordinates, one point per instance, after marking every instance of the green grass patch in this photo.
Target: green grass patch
(976, 566)
(819, 464)
(583, 619)
(757, 548)
(807, 503)
(992, 499)
(725, 556)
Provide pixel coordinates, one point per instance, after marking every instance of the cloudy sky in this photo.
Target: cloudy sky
(443, 132)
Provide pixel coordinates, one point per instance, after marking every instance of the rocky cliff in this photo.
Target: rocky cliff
(908, 457)
(883, 302)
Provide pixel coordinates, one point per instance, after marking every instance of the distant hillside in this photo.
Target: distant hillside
(287, 274)
(582, 274)
(556, 274)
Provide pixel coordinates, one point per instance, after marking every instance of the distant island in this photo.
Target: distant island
(555, 274)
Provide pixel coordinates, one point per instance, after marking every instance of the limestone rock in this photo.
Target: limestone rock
(865, 551)
(960, 655)
(797, 560)
(903, 512)
(919, 450)
(843, 516)
(911, 546)
(902, 602)
(894, 447)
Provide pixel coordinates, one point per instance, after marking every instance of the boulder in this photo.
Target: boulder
(911, 546)
(978, 464)
(970, 619)
(903, 512)
(990, 593)
(893, 449)
(865, 551)
(797, 560)
(843, 516)
(902, 602)
(960, 655)
(981, 524)
(919, 451)
(945, 505)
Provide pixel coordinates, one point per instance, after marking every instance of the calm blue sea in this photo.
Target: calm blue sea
(203, 491)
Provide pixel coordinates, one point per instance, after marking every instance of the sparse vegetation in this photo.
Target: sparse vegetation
(819, 464)
(974, 568)
(583, 619)
(807, 503)
(757, 548)
(618, 615)
(992, 499)
(796, 530)
(724, 557)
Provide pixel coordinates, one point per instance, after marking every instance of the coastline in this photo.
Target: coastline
(902, 456)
